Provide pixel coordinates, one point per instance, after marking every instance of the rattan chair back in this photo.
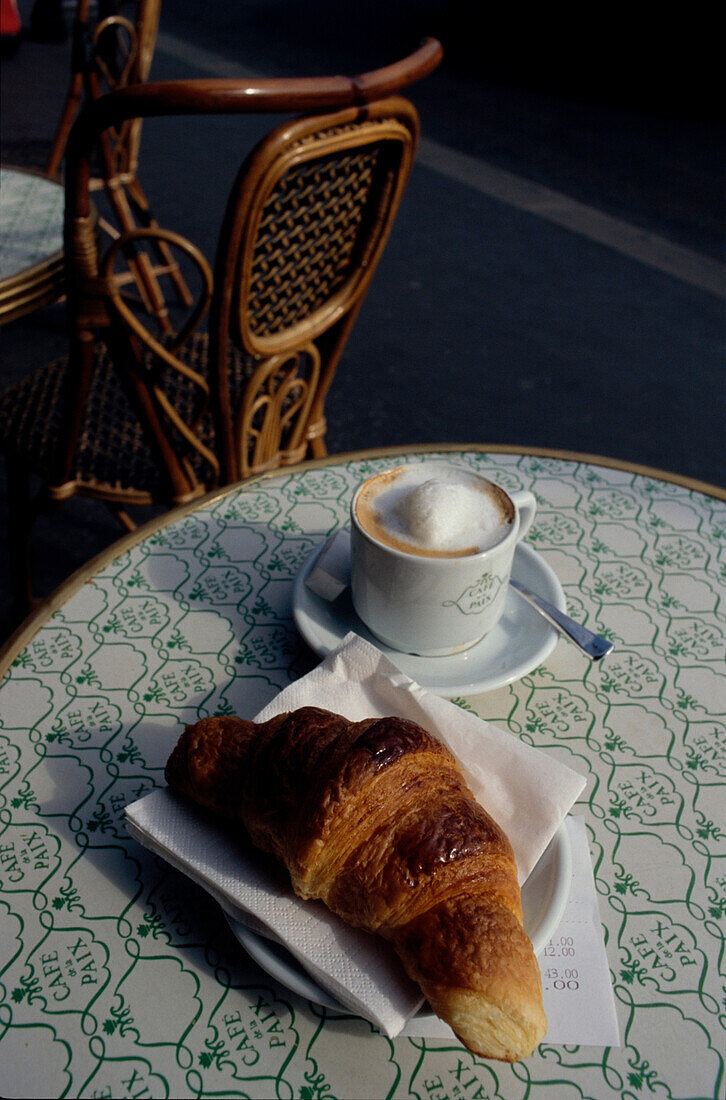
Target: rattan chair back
(305, 225)
(157, 406)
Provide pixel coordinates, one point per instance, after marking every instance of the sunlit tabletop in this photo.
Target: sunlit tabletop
(118, 977)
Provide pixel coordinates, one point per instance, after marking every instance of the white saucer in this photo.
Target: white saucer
(519, 642)
(544, 897)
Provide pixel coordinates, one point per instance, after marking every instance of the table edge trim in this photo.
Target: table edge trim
(30, 626)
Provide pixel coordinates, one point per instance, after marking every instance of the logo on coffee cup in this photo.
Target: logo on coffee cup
(477, 597)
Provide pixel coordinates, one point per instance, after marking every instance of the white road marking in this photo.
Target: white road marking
(658, 252)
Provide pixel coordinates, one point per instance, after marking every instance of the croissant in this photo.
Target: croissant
(376, 819)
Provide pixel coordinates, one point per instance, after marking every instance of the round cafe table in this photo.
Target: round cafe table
(31, 241)
(119, 977)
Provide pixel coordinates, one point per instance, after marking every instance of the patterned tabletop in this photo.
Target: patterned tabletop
(118, 977)
(31, 220)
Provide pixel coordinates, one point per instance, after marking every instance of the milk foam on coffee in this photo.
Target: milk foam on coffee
(434, 510)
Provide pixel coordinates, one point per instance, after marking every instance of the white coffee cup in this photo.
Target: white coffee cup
(432, 546)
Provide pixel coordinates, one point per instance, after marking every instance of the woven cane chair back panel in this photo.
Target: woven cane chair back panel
(307, 239)
(318, 218)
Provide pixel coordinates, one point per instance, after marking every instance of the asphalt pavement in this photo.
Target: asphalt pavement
(557, 273)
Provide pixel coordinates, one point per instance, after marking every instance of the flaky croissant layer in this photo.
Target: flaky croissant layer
(375, 819)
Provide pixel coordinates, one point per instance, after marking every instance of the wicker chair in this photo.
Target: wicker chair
(111, 52)
(138, 415)
(115, 51)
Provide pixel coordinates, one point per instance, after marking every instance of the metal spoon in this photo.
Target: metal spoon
(592, 645)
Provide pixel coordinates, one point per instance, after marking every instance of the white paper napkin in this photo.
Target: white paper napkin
(359, 970)
(524, 790)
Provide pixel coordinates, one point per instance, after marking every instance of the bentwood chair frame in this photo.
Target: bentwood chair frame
(113, 53)
(250, 394)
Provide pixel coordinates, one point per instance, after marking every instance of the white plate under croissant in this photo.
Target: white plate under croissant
(544, 897)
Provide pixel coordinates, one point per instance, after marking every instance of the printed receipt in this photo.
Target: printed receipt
(577, 990)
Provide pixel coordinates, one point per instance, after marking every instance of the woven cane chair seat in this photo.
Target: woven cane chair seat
(113, 451)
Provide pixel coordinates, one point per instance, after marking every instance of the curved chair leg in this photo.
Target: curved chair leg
(123, 517)
(317, 429)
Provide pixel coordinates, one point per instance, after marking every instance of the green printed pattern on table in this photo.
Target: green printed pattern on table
(123, 979)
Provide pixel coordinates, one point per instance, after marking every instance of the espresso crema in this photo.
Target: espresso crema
(434, 511)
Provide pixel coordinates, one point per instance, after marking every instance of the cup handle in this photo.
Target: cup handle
(526, 504)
